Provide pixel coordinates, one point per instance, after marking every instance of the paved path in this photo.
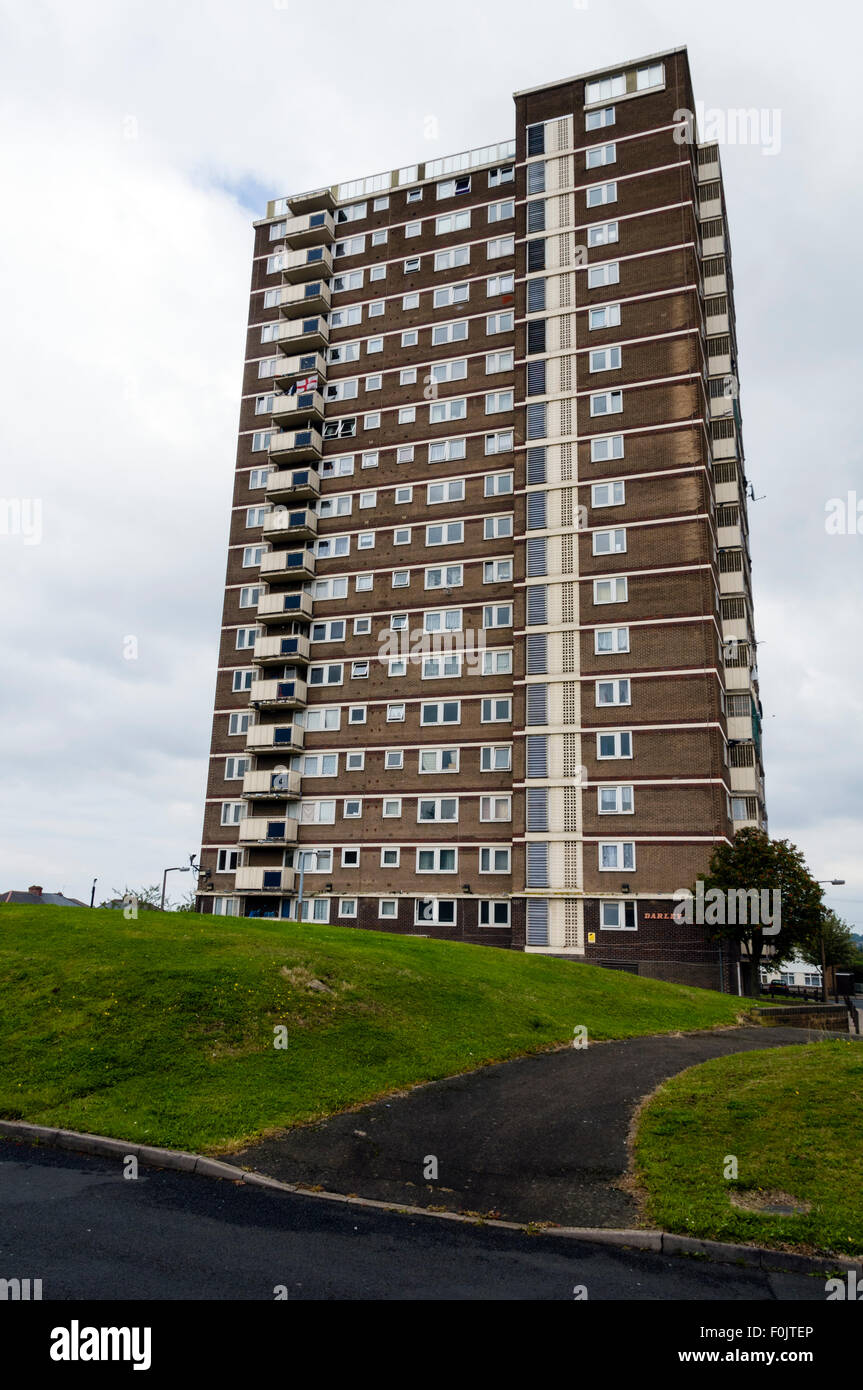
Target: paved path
(539, 1139)
(74, 1222)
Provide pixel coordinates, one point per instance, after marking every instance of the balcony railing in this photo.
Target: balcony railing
(277, 608)
(294, 445)
(310, 229)
(304, 333)
(292, 408)
(302, 364)
(288, 564)
(284, 694)
(271, 737)
(311, 201)
(315, 262)
(255, 831)
(272, 786)
(283, 649)
(294, 484)
(254, 880)
(294, 524)
(297, 300)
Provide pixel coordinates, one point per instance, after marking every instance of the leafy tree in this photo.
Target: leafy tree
(187, 902)
(754, 861)
(150, 897)
(839, 945)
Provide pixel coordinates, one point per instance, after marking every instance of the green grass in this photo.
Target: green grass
(790, 1115)
(161, 1029)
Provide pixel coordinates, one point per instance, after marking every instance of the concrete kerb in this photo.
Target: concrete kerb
(662, 1242)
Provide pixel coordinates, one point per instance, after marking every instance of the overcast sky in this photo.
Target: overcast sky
(139, 141)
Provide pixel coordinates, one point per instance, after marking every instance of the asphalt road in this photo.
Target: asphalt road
(75, 1223)
(539, 1139)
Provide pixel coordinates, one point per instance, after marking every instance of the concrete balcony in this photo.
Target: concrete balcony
(726, 491)
(262, 738)
(275, 881)
(304, 334)
(718, 363)
(278, 650)
(708, 163)
(740, 727)
(292, 524)
(717, 321)
(313, 263)
(748, 822)
(727, 537)
(716, 284)
(709, 208)
(736, 630)
(726, 447)
(271, 785)
(303, 364)
(279, 608)
(288, 564)
(745, 780)
(284, 694)
(734, 581)
(314, 201)
(737, 679)
(713, 245)
(720, 406)
(294, 445)
(310, 228)
(297, 300)
(254, 831)
(290, 410)
(293, 484)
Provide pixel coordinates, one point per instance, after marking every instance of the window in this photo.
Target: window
(405, 454)
(411, 265)
(375, 345)
(408, 376)
(597, 120)
(246, 637)
(397, 666)
(332, 546)
(449, 333)
(610, 590)
(347, 906)
(394, 759)
(449, 260)
(414, 195)
(395, 714)
(606, 274)
(359, 670)
(444, 577)
(499, 323)
(504, 174)
(497, 662)
(352, 246)
(333, 631)
(602, 234)
(613, 693)
(249, 596)
(496, 711)
(447, 533)
(342, 467)
(653, 76)
(449, 371)
(236, 768)
(598, 155)
(355, 762)
(611, 640)
(496, 758)
(603, 89)
(495, 808)
(352, 808)
(499, 443)
(496, 571)
(493, 860)
(345, 352)
(601, 193)
(609, 542)
(500, 246)
(450, 491)
(605, 359)
(411, 301)
(614, 744)
(615, 801)
(410, 337)
(608, 446)
(404, 493)
(452, 222)
(330, 588)
(451, 294)
(341, 429)
(441, 411)
(441, 712)
(407, 414)
(435, 910)
(501, 212)
(352, 280)
(495, 527)
(617, 916)
(439, 667)
(381, 204)
(364, 582)
(356, 714)
(226, 907)
(499, 361)
(391, 807)
(261, 440)
(319, 765)
(451, 188)
(437, 809)
(616, 854)
(379, 237)
(373, 383)
(413, 228)
(233, 812)
(401, 579)
(326, 675)
(606, 317)
(497, 484)
(439, 760)
(323, 718)
(388, 907)
(437, 861)
(498, 401)
(499, 284)
(335, 506)
(443, 450)
(376, 308)
(494, 914)
(390, 858)
(252, 556)
(372, 422)
(497, 615)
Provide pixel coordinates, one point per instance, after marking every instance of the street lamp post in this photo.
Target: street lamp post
(175, 869)
(837, 883)
(93, 892)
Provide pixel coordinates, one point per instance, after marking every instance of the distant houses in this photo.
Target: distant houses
(35, 895)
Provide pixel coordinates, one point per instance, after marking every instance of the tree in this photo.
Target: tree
(149, 897)
(840, 948)
(755, 862)
(188, 902)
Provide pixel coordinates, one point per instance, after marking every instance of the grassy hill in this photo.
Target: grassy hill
(161, 1030)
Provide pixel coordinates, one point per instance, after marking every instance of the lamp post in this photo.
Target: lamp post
(93, 892)
(836, 882)
(175, 869)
